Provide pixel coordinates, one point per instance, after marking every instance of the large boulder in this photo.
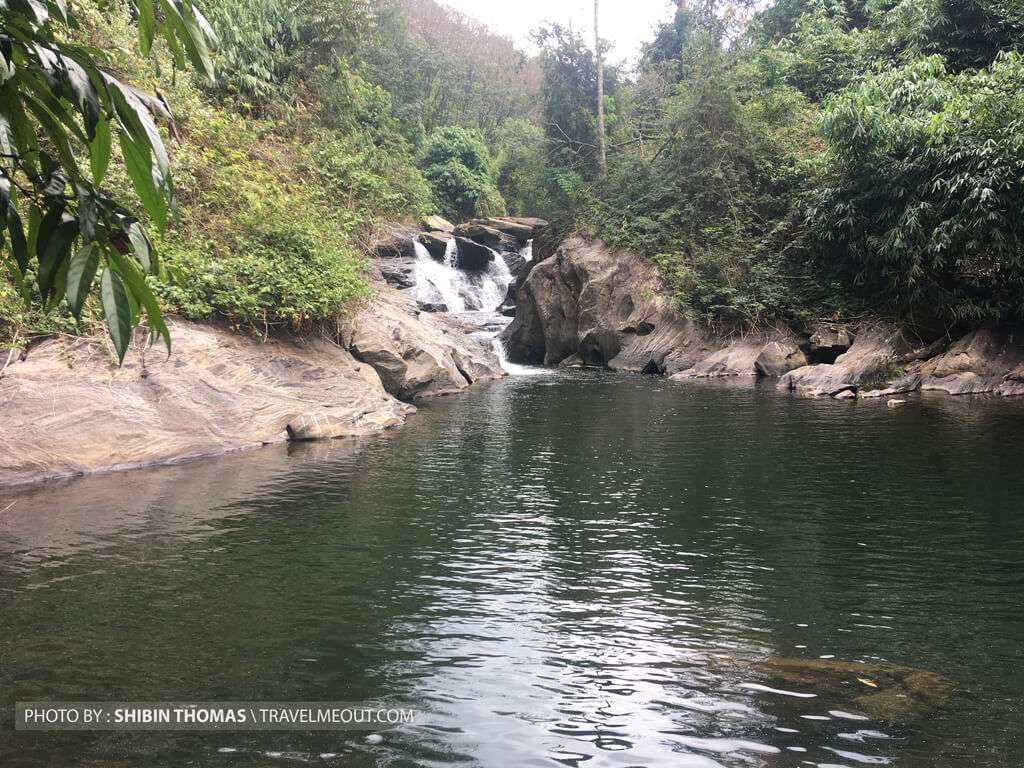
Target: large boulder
(610, 307)
(870, 359)
(517, 265)
(985, 360)
(436, 223)
(393, 242)
(472, 256)
(828, 342)
(777, 359)
(69, 409)
(485, 235)
(522, 229)
(416, 354)
(436, 243)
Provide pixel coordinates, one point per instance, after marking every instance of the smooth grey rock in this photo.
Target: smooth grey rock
(776, 359)
(417, 354)
(827, 343)
(610, 306)
(68, 408)
(436, 223)
(394, 242)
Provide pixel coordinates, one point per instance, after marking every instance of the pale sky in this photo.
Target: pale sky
(624, 23)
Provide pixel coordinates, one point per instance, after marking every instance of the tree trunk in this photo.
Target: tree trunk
(602, 158)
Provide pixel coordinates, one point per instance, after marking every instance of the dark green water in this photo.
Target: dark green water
(581, 569)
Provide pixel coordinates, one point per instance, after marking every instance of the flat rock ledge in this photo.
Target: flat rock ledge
(69, 410)
(590, 304)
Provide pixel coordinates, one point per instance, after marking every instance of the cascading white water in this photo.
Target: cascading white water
(527, 250)
(463, 291)
(438, 283)
(459, 290)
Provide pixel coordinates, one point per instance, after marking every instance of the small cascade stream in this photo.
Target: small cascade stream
(474, 296)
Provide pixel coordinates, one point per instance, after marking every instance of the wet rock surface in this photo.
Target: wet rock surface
(880, 691)
(436, 243)
(417, 354)
(472, 256)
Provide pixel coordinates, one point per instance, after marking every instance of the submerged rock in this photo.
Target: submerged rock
(883, 691)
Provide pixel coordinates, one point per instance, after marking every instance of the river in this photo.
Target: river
(577, 568)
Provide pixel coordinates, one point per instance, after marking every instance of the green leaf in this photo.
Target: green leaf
(136, 119)
(191, 33)
(56, 133)
(140, 290)
(142, 246)
(19, 246)
(117, 310)
(147, 25)
(81, 273)
(99, 151)
(54, 254)
(137, 164)
(85, 97)
(88, 213)
(18, 128)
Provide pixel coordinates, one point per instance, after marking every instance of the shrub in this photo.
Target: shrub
(457, 166)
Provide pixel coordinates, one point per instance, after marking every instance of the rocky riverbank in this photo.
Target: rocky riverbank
(69, 410)
(589, 304)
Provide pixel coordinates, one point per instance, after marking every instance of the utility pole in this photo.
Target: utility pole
(602, 158)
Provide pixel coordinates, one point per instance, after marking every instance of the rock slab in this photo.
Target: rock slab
(69, 409)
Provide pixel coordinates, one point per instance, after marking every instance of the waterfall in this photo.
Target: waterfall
(459, 290)
(438, 283)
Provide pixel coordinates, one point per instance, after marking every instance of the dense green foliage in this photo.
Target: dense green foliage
(812, 159)
(63, 232)
(267, 212)
(825, 159)
(456, 164)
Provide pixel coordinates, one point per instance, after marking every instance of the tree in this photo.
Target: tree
(920, 208)
(57, 104)
(457, 166)
(602, 155)
(569, 96)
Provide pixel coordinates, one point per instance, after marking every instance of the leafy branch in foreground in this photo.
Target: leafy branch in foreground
(57, 228)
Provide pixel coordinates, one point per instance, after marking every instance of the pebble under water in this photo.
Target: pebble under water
(576, 568)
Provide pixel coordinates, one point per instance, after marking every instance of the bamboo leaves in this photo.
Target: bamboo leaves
(56, 91)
